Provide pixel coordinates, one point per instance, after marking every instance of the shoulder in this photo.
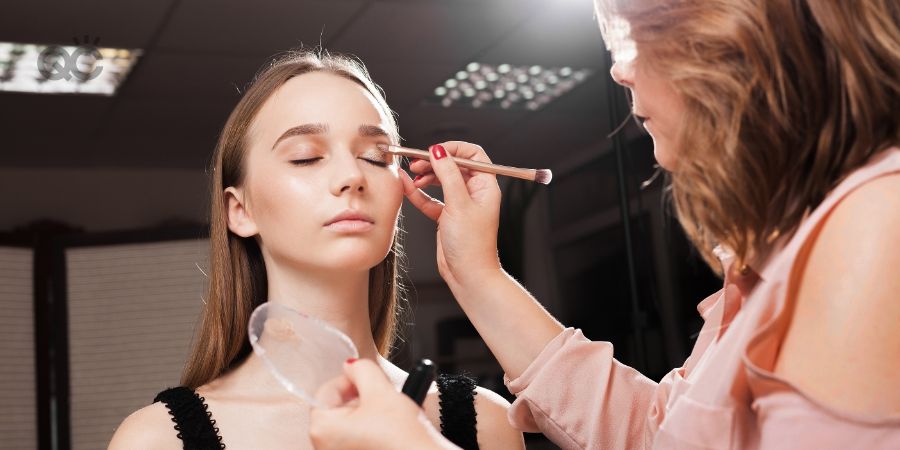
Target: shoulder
(846, 287)
(494, 428)
(492, 425)
(150, 427)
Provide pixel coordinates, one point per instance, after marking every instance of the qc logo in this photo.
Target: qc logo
(56, 63)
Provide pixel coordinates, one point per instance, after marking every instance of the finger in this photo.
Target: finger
(446, 170)
(368, 378)
(482, 186)
(336, 392)
(423, 202)
(426, 180)
(420, 166)
(466, 150)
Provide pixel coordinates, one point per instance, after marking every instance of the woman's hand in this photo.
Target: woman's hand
(497, 305)
(469, 216)
(363, 410)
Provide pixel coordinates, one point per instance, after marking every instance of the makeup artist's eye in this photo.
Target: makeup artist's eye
(304, 162)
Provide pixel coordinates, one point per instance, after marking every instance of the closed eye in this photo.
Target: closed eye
(375, 162)
(304, 162)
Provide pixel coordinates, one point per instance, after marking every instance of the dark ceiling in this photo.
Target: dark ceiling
(198, 53)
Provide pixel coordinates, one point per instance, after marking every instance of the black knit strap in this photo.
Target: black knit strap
(458, 416)
(193, 421)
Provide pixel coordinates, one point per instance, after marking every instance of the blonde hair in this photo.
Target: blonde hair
(783, 99)
(237, 275)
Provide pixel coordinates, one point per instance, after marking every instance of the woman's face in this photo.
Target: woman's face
(317, 191)
(656, 104)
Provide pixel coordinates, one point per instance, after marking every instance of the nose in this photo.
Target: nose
(623, 73)
(348, 178)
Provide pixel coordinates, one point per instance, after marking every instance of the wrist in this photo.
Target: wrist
(480, 279)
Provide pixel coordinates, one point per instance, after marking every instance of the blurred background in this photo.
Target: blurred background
(109, 112)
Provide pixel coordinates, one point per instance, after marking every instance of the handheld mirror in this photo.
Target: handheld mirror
(302, 352)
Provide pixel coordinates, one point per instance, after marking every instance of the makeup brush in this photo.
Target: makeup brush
(542, 176)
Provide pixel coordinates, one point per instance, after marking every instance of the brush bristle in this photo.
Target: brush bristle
(543, 176)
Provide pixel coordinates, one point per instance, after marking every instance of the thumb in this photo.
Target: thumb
(336, 392)
(368, 378)
(446, 170)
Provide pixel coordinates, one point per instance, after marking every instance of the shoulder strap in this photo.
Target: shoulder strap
(458, 416)
(193, 421)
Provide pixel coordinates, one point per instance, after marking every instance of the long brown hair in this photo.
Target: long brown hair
(783, 99)
(237, 272)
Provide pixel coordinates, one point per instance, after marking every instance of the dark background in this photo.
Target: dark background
(82, 169)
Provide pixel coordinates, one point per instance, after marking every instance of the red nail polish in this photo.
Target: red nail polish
(417, 178)
(351, 360)
(438, 151)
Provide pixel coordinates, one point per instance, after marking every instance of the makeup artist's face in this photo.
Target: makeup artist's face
(656, 104)
(320, 194)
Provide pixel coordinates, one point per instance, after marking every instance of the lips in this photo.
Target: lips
(350, 221)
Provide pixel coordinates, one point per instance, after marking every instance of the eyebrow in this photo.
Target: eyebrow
(372, 131)
(302, 130)
(321, 128)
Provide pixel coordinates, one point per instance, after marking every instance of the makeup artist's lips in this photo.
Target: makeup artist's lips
(350, 221)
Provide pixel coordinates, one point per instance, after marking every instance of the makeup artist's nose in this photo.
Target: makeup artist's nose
(623, 73)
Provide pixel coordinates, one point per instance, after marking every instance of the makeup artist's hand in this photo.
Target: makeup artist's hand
(363, 410)
(469, 216)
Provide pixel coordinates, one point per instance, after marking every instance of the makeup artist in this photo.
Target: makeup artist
(778, 122)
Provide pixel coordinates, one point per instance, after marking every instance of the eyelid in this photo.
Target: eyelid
(374, 153)
(304, 161)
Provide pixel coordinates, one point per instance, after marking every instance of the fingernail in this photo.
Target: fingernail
(417, 178)
(351, 360)
(438, 151)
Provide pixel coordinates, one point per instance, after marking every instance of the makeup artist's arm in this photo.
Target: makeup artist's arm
(566, 386)
(511, 322)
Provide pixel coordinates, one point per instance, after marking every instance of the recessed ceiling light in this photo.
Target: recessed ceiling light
(506, 86)
(64, 69)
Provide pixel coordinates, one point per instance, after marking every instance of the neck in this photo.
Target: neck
(339, 298)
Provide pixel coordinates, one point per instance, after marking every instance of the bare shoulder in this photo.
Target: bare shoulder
(846, 305)
(149, 428)
(494, 429)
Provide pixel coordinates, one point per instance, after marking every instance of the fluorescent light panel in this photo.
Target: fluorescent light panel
(20, 69)
(480, 85)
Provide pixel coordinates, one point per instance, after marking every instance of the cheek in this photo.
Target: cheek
(277, 200)
(389, 191)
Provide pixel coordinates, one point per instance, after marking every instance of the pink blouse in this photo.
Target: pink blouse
(726, 395)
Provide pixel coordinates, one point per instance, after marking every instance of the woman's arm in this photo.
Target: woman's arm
(843, 344)
(566, 386)
(494, 429)
(512, 323)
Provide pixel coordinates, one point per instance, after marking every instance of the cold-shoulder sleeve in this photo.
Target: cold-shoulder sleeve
(580, 397)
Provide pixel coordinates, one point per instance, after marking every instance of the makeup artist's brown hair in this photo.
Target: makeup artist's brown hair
(784, 98)
(237, 273)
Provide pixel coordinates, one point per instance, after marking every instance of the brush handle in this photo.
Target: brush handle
(515, 172)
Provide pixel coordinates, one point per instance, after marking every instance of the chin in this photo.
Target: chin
(356, 258)
(664, 156)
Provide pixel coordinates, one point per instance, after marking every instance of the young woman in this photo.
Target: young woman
(778, 121)
(305, 213)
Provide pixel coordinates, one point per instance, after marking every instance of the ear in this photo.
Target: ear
(239, 220)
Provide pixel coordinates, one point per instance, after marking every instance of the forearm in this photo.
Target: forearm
(512, 323)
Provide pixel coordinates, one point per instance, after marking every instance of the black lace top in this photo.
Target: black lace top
(198, 431)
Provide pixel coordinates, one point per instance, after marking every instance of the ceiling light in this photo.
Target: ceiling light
(64, 69)
(506, 86)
